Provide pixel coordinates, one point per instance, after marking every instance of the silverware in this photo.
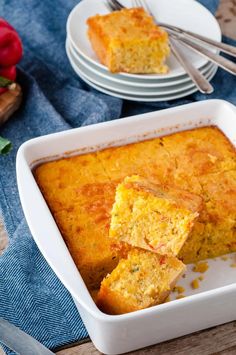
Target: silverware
(20, 342)
(179, 35)
(224, 47)
(196, 76)
(215, 58)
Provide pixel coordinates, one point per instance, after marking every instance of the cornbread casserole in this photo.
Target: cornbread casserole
(129, 41)
(80, 192)
(141, 280)
(153, 217)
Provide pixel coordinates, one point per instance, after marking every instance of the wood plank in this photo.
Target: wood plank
(9, 102)
(226, 16)
(217, 340)
(3, 239)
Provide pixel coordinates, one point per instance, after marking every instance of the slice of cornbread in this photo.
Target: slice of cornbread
(61, 180)
(129, 41)
(201, 151)
(81, 195)
(153, 217)
(141, 280)
(217, 234)
(146, 158)
(88, 243)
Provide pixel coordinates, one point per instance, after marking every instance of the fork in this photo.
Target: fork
(222, 62)
(224, 47)
(196, 76)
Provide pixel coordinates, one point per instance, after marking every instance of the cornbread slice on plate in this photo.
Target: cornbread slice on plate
(141, 280)
(129, 41)
(153, 217)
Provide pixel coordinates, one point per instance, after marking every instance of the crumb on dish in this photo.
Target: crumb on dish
(195, 284)
(179, 289)
(178, 297)
(224, 258)
(167, 300)
(201, 267)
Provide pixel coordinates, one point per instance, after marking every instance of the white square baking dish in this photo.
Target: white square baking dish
(213, 304)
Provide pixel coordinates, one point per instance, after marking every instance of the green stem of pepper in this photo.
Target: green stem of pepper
(5, 145)
(4, 82)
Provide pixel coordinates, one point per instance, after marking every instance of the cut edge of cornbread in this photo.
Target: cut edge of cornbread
(153, 217)
(141, 280)
(129, 40)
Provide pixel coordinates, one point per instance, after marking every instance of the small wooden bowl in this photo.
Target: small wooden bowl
(10, 102)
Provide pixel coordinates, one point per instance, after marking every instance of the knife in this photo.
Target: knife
(20, 342)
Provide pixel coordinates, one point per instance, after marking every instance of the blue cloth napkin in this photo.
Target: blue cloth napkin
(55, 99)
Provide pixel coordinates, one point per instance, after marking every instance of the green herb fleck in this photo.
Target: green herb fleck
(5, 145)
(135, 268)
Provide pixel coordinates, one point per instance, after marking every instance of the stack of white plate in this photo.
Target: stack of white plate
(187, 14)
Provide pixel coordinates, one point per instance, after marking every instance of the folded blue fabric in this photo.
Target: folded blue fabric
(55, 99)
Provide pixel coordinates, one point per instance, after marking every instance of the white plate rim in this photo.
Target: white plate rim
(145, 99)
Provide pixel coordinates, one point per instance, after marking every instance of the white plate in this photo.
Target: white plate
(117, 78)
(212, 304)
(105, 83)
(188, 14)
(140, 98)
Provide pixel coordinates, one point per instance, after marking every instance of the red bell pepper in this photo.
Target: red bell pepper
(9, 72)
(10, 45)
(10, 52)
(4, 23)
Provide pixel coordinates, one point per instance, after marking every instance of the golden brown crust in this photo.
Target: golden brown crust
(98, 41)
(181, 197)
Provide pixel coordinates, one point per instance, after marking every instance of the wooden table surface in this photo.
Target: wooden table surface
(217, 340)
